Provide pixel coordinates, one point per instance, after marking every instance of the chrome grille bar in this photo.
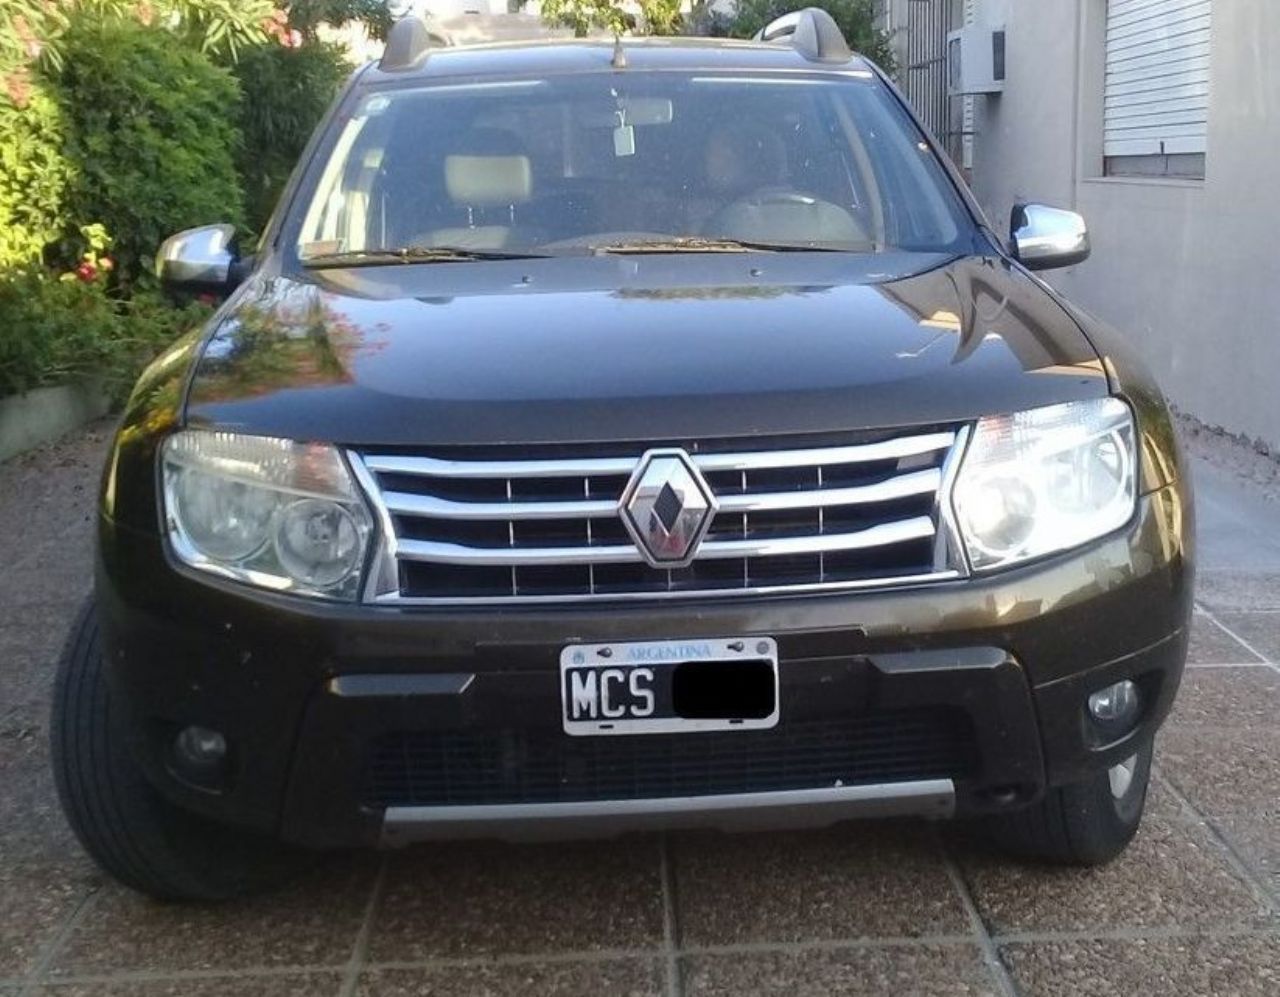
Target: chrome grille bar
(919, 528)
(404, 503)
(574, 467)
(914, 483)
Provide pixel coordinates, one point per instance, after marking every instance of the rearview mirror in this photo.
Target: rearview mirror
(200, 260)
(635, 111)
(1043, 237)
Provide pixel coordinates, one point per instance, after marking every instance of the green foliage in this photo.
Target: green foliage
(287, 91)
(62, 329)
(662, 17)
(151, 128)
(222, 28)
(657, 17)
(34, 177)
(33, 29)
(116, 118)
(583, 15)
(307, 15)
(857, 19)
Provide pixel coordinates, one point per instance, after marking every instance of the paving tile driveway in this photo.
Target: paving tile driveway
(1192, 908)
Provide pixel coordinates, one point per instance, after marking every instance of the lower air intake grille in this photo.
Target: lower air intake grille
(442, 768)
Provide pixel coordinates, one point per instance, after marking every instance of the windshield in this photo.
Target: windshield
(630, 162)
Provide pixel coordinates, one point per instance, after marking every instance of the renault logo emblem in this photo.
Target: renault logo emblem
(667, 508)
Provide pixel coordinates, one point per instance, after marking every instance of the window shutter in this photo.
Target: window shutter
(1157, 83)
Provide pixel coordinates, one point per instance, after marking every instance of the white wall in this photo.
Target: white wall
(1189, 269)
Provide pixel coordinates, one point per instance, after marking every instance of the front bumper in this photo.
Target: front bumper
(461, 707)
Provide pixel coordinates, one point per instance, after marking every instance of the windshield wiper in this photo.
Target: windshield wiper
(702, 244)
(413, 254)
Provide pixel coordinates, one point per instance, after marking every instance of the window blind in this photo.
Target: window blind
(1157, 77)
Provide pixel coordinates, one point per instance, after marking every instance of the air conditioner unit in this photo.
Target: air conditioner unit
(975, 60)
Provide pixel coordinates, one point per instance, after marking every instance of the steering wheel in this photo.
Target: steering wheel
(838, 224)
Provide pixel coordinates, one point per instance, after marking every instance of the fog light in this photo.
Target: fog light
(1115, 708)
(200, 757)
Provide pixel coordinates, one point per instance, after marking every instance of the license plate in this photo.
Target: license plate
(669, 686)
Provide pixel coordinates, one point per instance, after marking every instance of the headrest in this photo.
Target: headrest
(488, 181)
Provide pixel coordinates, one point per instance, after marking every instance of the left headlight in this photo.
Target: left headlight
(1045, 480)
(274, 513)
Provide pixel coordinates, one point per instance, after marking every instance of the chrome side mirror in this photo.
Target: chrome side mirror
(200, 260)
(1044, 237)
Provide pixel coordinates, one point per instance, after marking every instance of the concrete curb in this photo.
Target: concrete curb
(43, 415)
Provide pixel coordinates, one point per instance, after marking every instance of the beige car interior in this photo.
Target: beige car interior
(487, 185)
(746, 165)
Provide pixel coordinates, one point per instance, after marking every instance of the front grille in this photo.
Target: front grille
(461, 767)
(479, 526)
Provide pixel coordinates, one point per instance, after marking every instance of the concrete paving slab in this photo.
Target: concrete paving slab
(29, 650)
(1228, 697)
(483, 899)
(313, 923)
(1238, 591)
(48, 491)
(37, 898)
(1211, 645)
(1238, 528)
(936, 970)
(1173, 873)
(56, 573)
(315, 984)
(1257, 841)
(1159, 967)
(617, 978)
(1234, 771)
(1259, 631)
(1163, 802)
(855, 881)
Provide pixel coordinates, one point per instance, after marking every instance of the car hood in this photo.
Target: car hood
(629, 348)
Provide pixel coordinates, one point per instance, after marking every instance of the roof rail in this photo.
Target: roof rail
(408, 44)
(812, 32)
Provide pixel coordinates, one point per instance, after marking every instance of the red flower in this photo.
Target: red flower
(87, 272)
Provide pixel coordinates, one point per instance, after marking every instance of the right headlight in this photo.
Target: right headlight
(1045, 480)
(268, 512)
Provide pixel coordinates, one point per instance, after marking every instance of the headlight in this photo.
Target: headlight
(273, 513)
(1045, 480)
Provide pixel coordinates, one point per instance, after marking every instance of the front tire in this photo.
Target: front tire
(125, 825)
(1085, 823)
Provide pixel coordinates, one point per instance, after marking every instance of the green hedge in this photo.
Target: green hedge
(34, 178)
(288, 90)
(61, 329)
(124, 132)
(151, 132)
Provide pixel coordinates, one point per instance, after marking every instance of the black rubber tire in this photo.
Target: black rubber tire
(1080, 824)
(124, 824)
